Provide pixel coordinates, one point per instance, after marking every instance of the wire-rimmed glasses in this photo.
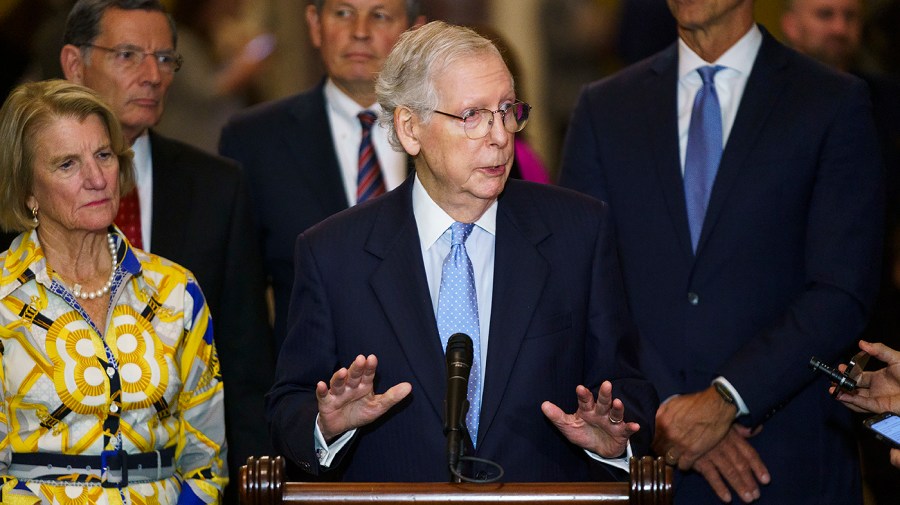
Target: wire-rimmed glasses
(478, 122)
(130, 57)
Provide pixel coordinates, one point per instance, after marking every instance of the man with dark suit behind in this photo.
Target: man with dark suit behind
(831, 32)
(544, 307)
(193, 205)
(301, 152)
(779, 264)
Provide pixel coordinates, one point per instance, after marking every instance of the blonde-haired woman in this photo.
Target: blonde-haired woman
(111, 388)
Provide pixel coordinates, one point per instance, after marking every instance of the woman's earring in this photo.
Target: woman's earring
(34, 218)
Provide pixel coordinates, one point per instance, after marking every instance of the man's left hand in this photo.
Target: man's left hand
(688, 426)
(735, 461)
(598, 425)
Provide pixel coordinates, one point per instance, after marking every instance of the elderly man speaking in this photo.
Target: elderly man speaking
(526, 270)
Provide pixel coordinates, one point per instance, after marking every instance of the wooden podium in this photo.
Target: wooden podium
(262, 483)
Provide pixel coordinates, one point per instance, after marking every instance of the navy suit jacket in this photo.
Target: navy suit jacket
(558, 320)
(201, 220)
(287, 151)
(787, 263)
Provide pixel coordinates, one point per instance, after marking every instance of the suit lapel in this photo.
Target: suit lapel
(309, 140)
(765, 83)
(519, 230)
(662, 119)
(173, 191)
(402, 289)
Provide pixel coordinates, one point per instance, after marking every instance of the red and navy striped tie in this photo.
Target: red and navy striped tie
(369, 181)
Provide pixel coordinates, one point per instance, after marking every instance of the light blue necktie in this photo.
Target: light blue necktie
(458, 313)
(704, 151)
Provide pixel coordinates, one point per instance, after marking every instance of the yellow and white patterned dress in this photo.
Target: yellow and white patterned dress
(149, 381)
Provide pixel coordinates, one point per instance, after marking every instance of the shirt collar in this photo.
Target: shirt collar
(142, 161)
(26, 253)
(344, 106)
(432, 221)
(739, 57)
(129, 261)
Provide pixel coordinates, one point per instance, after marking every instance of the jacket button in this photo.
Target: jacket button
(693, 298)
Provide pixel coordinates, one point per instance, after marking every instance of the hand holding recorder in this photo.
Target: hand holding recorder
(878, 392)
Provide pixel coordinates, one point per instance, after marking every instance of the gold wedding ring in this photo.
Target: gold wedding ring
(613, 421)
(671, 458)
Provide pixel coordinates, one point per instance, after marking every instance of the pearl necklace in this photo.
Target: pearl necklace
(111, 242)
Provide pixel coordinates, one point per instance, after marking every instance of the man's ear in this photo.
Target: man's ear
(407, 125)
(72, 63)
(314, 26)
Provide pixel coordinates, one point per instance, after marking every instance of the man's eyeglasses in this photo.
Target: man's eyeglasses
(478, 122)
(130, 57)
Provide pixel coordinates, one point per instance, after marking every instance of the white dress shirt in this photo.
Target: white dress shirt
(730, 84)
(347, 133)
(434, 234)
(143, 179)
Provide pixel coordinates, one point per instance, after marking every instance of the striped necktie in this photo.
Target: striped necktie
(369, 181)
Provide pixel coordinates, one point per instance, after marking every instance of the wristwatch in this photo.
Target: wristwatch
(725, 393)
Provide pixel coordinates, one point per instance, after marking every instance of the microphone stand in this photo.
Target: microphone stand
(456, 446)
(454, 451)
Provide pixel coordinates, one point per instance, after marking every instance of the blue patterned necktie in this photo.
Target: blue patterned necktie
(369, 181)
(704, 151)
(458, 313)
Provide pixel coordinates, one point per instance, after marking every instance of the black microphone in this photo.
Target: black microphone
(459, 364)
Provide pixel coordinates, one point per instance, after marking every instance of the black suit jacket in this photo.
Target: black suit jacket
(558, 320)
(787, 262)
(287, 151)
(201, 220)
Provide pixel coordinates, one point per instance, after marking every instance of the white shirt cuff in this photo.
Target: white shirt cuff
(622, 462)
(326, 453)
